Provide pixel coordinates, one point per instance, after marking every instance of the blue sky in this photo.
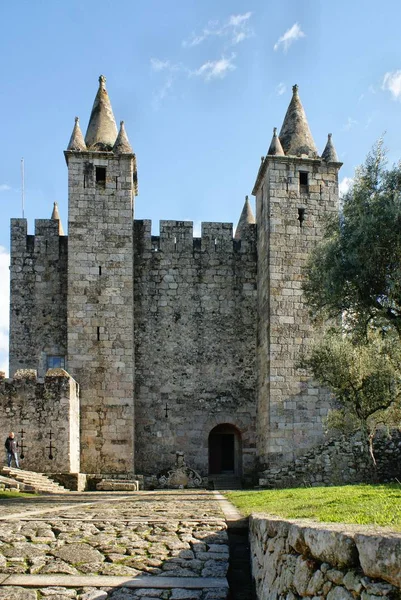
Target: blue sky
(199, 84)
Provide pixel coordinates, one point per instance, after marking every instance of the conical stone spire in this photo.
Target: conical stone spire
(122, 145)
(245, 219)
(295, 136)
(56, 217)
(275, 148)
(329, 153)
(77, 143)
(102, 129)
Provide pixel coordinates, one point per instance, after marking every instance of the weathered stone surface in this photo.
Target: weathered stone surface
(78, 553)
(17, 593)
(339, 593)
(283, 567)
(380, 557)
(330, 546)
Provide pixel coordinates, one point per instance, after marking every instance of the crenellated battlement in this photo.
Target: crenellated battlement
(46, 241)
(178, 236)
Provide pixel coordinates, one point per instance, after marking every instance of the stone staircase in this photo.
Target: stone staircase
(34, 482)
(225, 482)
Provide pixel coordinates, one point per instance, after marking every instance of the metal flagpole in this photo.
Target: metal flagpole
(23, 188)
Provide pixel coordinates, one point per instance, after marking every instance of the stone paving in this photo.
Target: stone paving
(170, 545)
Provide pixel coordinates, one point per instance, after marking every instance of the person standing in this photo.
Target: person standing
(11, 448)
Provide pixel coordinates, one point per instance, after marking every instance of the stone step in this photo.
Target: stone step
(225, 482)
(118, 485)
(38, 482)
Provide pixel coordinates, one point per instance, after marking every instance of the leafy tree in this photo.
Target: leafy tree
(356, 272)
(354, 278)
(365, 379)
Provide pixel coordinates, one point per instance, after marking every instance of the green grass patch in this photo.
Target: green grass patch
(360, 504)
(4, 494)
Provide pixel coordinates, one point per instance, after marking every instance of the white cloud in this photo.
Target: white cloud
(345, 185)
(290, 36)
(392, 83)
(4, 307)
(215, 69)
(349, 124)
(281, 88)
(235, 29)
(159, 65)
(4, 187)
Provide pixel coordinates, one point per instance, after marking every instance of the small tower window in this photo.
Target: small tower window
(101, 176)
(303, 181)
(301, 216)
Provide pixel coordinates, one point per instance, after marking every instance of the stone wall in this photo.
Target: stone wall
(340, 461)
(291, 219)
(195, 335)
(302, 559)
(100, 306)
(39, 407)
(38, 289)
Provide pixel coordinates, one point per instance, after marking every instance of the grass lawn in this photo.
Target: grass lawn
(4, 494)
(361, 504)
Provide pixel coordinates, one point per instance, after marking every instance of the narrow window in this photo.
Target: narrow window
(98, 334)
(84, 181)
(55, 362)
(101, 176)
(303, 181)
(215, 244)
(100, 270)
(116, 183)
(175, 244)
(301, 216)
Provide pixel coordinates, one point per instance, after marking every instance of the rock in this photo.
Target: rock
(181, 594)
(315, 584)
(352, 582)
(24, 550)
(95, 595)
(17, 593)
(380, 557)
(339, 593)
(304, 571)
(58, 591)
(335, 576)
(335, 547)
(58, 566)
(78, 553)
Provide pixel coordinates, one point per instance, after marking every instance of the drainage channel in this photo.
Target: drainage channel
(239, 574)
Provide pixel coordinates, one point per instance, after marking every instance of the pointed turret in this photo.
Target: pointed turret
(329, 153)
(295, 136)
(275, 148)
(56, 217)
(122, 145)
(245, 219)
(77, 142)
(102, 129)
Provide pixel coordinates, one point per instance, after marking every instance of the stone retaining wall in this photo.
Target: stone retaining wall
(303, 559)
(340, 461)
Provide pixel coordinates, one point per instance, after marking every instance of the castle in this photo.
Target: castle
(176, 342)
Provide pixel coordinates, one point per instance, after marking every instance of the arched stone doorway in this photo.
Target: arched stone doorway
(225, 450)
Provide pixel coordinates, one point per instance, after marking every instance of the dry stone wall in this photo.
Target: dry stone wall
(290, 217)
(301, 559)
(38, 279)
(195, 335)
(40, 407)
(340, 461)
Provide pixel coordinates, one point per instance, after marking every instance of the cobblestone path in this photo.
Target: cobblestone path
(169, 545)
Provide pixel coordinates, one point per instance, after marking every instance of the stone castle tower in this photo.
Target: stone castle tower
(176, 342)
